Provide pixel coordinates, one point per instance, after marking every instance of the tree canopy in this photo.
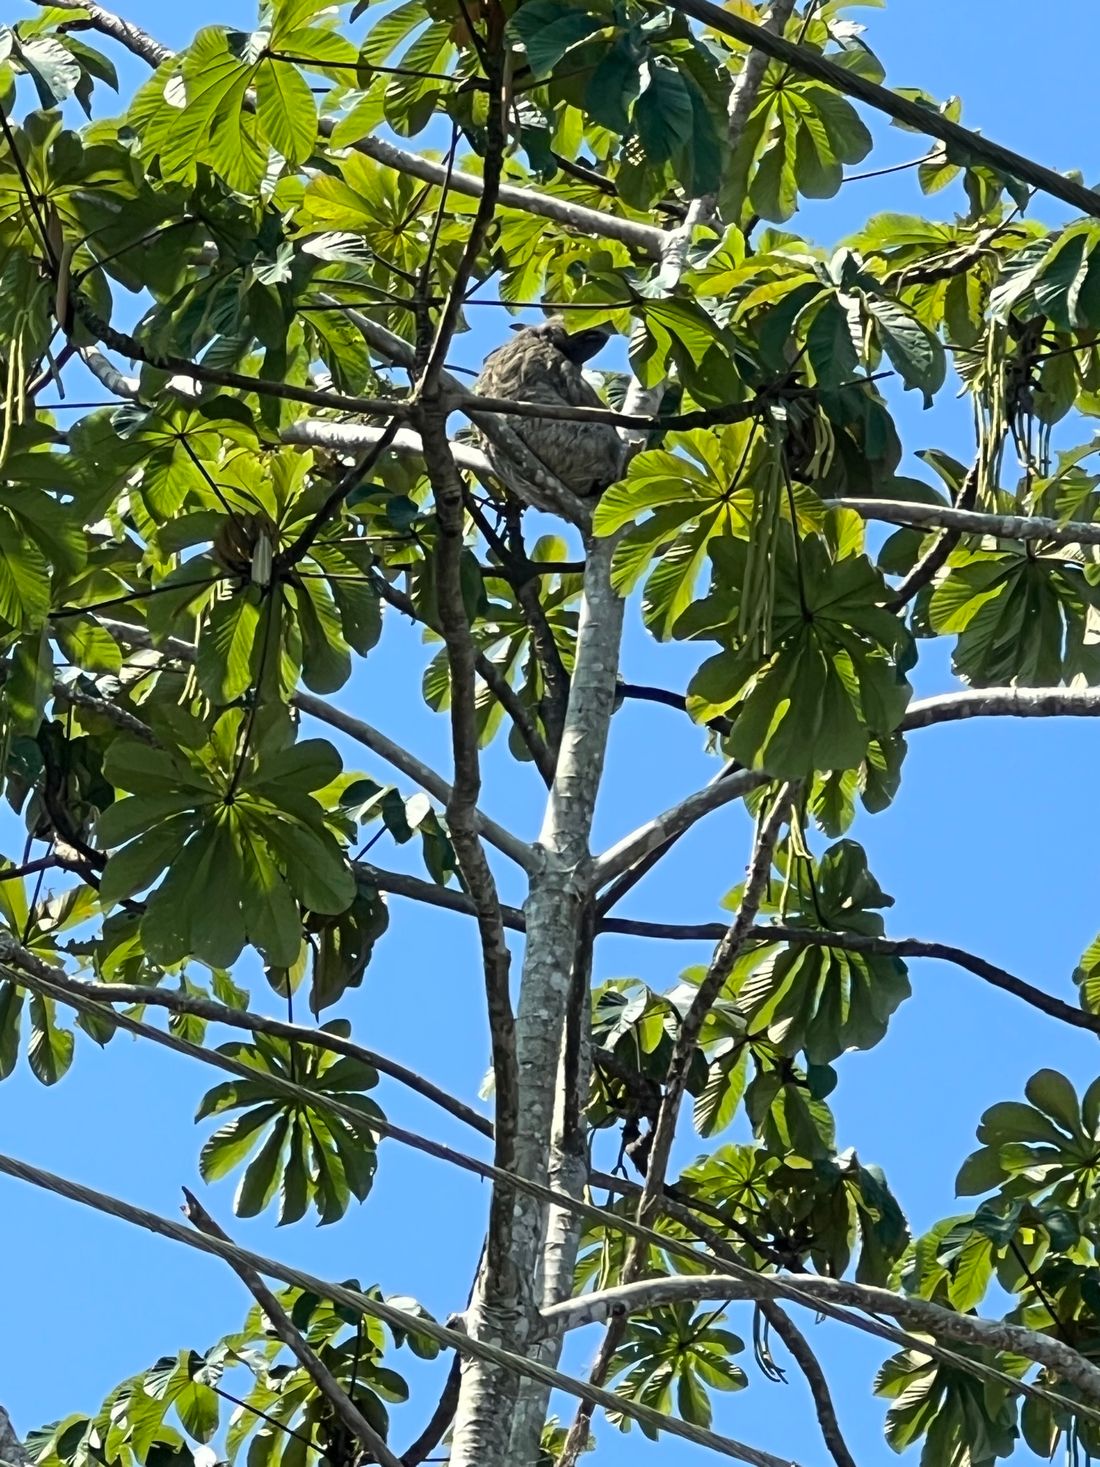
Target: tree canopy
(261, 265)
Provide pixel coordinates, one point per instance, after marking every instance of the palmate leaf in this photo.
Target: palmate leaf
(214, 126)
(1020, 617)
(957, 1415)
(832, 682)
(300, 1153)
(825, 1001)
(24, 577)
(679, 499)
(244, 845)
(1043, 1149)
(817, 999)
(548, 28)
(674, 125)
(672, 1361)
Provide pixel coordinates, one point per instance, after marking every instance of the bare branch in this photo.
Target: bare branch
(280, 1322)
(447, 897)
(349, 437)
(810, 1367)
(921, 119)
(972, 521)
(490, 674)
(371, 1308)
(135, 40)
(253, 1023)
(400, 758)
(1002, 703)
(673, 822)
(643, 237)
(810, 1289)
(127, 722)
(355, 728)
(41, 977)
(494, 1304)
(726, 953)
(440, 1421)
(664, 1129)
(935, 557)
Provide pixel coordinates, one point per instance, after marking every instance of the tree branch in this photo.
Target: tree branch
(355, 728)
(809, 1289)
(746, 89)
(138, 42)
(721, 964)
(810, 1367)
(1001, 703)
(253, 1023)
(912, 947)
(936, 556)
(673, 822)
(921, 119)
(973, 522)
(39, 976)
(371, 1308)
(489, 674)
(896, 947)
(348, 437)
(664, 1129)
(440, 1421)
(342, 1404)
(643, 237)
(127, 722)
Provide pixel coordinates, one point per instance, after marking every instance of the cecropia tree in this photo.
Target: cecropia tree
(283, 467)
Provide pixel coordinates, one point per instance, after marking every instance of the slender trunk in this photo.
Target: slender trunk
(12, 1453)
(490, 1400)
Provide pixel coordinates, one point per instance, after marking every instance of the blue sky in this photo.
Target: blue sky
(989, 846)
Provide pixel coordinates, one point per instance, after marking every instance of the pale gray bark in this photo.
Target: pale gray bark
(1002, 703)
(12, 1452)
(746, 89)
(644, 237)
(373, 1308)
(809, 1289)
(973, 521)
(553, 913)
(624, 853)
(351, 437)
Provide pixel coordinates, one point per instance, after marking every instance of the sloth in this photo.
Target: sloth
(543, 364)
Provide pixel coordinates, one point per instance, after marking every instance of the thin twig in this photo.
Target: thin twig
(797, 1343)
(280, 1322)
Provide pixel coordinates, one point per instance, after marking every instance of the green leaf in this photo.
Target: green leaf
(50, 1049)
(11, 1008)
(286, 110)
(24, 577)
(912, 349)
(137, 866)
(663, 114)
(1056, 1097)
(547, 29)
(260, 1181)
(227, 652)
(229, 1145)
